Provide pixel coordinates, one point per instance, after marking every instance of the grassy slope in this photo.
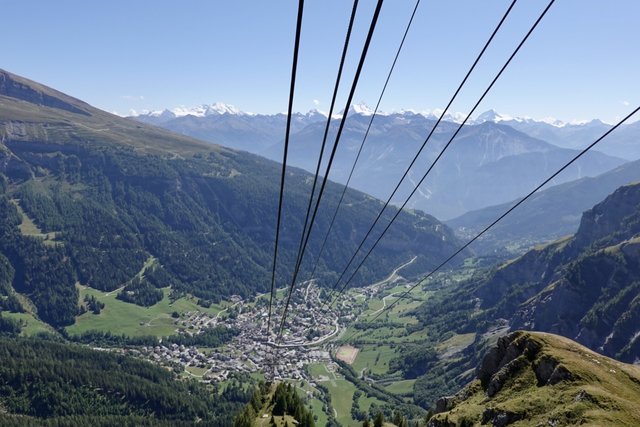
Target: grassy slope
(602, 391)
(32, 326)
(368, 359)
(95, 125)
(133, 320)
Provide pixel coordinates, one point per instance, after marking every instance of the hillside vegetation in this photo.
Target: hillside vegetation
(55, 384)
(533, 378)
(584, 287)
(104, 195)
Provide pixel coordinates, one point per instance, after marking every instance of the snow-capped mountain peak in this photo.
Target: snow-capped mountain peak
(217, 108)
(204, 110)
(493, 116)
(222, 108)
(316, 112)
(362, 109)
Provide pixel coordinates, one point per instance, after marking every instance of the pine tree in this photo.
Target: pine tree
(379, 421)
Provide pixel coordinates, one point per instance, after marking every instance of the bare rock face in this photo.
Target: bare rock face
(511, 353)
(514, 353)
(534, 378)
(499, 418)
(549, 371)
(445, 403)
(13, 167)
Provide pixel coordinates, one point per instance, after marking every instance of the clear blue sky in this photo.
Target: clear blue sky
(582, 62)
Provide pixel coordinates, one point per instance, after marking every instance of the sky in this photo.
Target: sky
(581, 63)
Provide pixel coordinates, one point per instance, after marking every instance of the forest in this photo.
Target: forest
(102, 212)
(70, 385)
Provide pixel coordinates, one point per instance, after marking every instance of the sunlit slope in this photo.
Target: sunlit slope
(534, 378)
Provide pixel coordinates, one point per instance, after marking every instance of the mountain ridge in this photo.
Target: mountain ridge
(583, 286)
(460, 182)
(535, 378)
(549, 214)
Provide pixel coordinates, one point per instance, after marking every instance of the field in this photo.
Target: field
(29, 228)
(32, 326)
(304, 388)
(133, 320)
(341, 392)
(317, 370)
(374, 359)
(316, 408)
(455, 344)
(401, 387)
(347, 354)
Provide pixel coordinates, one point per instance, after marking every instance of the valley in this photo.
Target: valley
(154, 250)
(313, 342)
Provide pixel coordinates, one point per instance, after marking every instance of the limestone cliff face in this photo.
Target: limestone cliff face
(594, 302)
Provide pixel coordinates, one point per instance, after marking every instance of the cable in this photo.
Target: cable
(286, 149)
(363, 56)
(375, 111)
(326, 128)
(507, 212)
(415, 158)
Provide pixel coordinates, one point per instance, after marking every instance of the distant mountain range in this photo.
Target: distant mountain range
(624, 142)
(490, 162)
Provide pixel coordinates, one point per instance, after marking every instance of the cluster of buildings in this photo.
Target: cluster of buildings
(308, 327)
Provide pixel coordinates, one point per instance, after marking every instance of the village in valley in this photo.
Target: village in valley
(305, 338)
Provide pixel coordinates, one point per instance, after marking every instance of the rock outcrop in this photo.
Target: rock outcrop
(532, 378)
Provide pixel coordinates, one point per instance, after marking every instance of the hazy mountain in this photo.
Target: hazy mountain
(624, 142)
(487, 164)
(104, 196)
(224, 124)
(547, 215)
(532, 378)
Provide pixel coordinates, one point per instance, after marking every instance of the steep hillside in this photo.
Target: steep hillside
(90, 197)
(585, 287)
(547, 215)
(72, 386)
(542, 379)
